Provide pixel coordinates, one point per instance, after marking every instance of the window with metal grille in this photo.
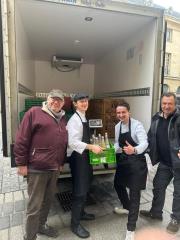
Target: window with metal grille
(169, 35)
(165, 88)
(167, 64)
(178, 90)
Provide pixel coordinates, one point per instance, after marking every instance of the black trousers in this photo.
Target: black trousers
(78, 204)
(129, 201)
(163, 177)
(81, 182)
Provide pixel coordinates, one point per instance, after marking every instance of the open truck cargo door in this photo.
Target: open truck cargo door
(3, 79)
(121, 48)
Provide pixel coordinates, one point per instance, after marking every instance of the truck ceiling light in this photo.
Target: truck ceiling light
(77, 42)
(64, 64)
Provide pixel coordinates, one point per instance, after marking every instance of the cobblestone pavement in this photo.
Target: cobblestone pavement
(13, 198)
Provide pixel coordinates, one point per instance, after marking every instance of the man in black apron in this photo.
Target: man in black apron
(81, 170)
(131, 172)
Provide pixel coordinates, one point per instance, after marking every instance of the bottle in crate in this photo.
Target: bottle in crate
(107, 141)
(103, 145)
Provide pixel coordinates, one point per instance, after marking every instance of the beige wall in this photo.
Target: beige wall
(173, 84)
(173, 47)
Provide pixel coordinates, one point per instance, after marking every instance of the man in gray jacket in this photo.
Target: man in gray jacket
(40, 148)
(164, 145)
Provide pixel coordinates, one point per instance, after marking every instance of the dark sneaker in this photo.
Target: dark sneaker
(148, 214)
(87, 216)
(173, 226)
(48, 231)
(80, 231)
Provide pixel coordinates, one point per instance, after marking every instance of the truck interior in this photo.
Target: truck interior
(115, 50)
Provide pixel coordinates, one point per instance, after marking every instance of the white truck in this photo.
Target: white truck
(104, 48)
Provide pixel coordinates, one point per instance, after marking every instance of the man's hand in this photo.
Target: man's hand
(129, 149)
(22, 170)
(179, 154)
(60, 168)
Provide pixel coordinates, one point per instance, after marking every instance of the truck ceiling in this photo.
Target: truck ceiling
(61, 29)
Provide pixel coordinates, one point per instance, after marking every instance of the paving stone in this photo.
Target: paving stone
(108, 208)
(19, 206)
(17, 219)
(21, 179)
(8, 197)
(23, 186)
(1, 210)
(1, 198)
(66, 218)
(14, 171)
(6, 189)
(4, 234)
(25, 194)
(18, 196)
(16, 233)
(55, 221)
(4, 222)
(146, 196)
(14, 188)
(6, 186)
(8, 208)
(14, 219)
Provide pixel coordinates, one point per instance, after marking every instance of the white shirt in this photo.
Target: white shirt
(138, 134)
(75, 133)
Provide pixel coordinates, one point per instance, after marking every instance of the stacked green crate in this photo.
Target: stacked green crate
(31, 102)
(21, 115)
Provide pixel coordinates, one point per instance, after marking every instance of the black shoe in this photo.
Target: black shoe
(173, 226)
(80, 231)
(87, 216)
(48, 231)
(148, 214)
(25, 238)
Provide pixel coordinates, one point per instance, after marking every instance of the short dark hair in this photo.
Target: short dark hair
(123, 103)
(169, 94)
(79, 96)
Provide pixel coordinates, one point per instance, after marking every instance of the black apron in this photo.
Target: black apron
(81, 169)
(131, 169)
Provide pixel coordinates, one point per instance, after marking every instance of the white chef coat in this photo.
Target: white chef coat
(75, 133)
(138, 134)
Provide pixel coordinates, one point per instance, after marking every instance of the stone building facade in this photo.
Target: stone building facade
(172, 58)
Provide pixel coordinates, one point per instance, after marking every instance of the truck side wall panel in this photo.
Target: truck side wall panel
(78, 80)
(114, 72)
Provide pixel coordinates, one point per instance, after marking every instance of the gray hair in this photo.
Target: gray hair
(169, 94)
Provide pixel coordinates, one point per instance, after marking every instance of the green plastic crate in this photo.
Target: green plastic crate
(21, 115)
(30, 102)
(108, 156)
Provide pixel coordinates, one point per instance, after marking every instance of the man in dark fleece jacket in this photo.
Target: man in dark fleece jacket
(40, 149)
(164, 146)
